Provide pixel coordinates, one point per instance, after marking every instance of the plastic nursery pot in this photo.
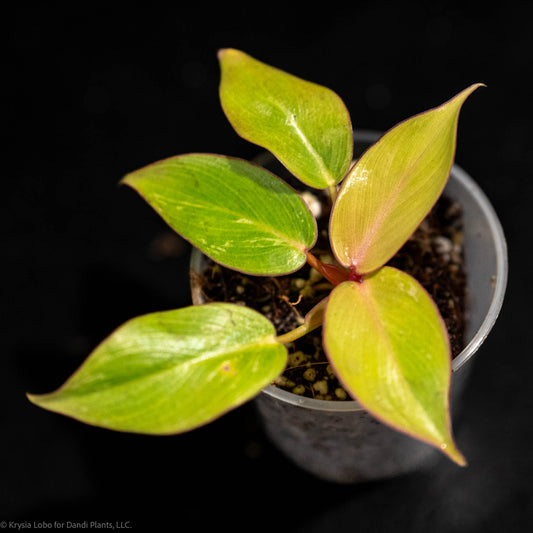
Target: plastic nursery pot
(340, 441)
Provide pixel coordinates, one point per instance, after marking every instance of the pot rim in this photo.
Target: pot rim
(501, 274)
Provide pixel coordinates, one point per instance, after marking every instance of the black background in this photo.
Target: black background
(96, 92)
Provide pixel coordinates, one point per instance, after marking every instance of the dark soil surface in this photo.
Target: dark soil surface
(433, 255)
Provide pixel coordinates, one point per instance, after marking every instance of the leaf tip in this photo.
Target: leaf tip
(31, 397)
(133, 179)
(474, 87)
(222, 52)
(125, 180)
(453, 453)
(37, 399)
(465, 93)
(228, 52)
(129, 179)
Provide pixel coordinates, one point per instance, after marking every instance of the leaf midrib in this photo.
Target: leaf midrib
(381, 215)
(371, 306)
(211, 355)
(293, 123)
(260, 226)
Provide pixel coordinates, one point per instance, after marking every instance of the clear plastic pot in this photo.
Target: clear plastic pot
(339, 441)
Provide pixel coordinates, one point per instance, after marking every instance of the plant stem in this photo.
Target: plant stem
(332, 273)
(297, 333)
(332, 189)
(313, 320)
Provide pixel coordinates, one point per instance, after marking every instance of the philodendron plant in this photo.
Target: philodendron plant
(172, 371)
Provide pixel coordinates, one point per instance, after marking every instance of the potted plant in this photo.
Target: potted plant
(385, 339)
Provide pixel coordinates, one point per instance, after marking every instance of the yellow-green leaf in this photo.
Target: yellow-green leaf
(235, 212)
(393, 186)
(169, 372)
(389, 347)
(305, 125)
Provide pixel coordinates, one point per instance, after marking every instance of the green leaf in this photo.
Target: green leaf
(237, 213)
(393, 186)
(389, 347)
(305, 125)
(169, 372)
